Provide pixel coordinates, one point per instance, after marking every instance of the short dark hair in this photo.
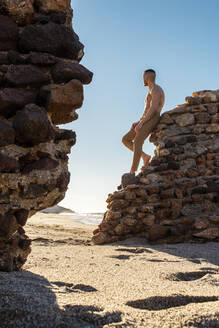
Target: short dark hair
(150, 70)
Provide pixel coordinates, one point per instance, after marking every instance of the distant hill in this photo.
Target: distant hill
(57, 210)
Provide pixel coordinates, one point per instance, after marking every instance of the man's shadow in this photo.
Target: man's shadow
(27, 300)
(197, 253)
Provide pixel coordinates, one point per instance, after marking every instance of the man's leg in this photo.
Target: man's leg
(128, 138)
(144, 132)
(146, 158)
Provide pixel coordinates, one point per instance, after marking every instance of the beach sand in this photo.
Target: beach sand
(69, 282)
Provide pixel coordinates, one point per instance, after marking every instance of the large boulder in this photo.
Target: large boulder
(12, 100)
(22, 75)
(32, 125)
(64, 100)
(58, 40)
(65, 71)
(8, 33)
(7, 134)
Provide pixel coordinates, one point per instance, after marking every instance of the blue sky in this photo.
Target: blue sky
(122, 38)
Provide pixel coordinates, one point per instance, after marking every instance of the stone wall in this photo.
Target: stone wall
(176, 197)
(41, 85)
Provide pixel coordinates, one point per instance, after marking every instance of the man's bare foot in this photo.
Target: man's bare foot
(146, 158)
(131, 171)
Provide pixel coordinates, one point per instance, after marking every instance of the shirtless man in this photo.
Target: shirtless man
(140, 130)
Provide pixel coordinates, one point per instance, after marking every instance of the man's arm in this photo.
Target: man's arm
(147, 104)
(153, 105)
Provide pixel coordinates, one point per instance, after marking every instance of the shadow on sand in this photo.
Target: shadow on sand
(196, 253)
(28, 300)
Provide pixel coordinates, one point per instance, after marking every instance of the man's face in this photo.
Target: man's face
(145, 75)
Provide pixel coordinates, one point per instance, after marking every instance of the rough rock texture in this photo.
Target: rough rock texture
(175, 198)
(37, 41)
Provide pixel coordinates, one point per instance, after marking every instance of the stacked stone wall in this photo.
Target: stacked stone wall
(175, 198)
(41, 85)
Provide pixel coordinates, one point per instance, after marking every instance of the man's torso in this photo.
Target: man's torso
(160, 94)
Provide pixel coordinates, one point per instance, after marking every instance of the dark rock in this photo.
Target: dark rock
(41, 164)
(181, 141)
(173, 165)
(27, 159)
(32, 125)
(177, 150)
(65, 135)
(42, 154)
(8, 34)
(213, 186)
(199, 190)
(170, 144)
(35, 190)
(52, 38)
(11, 100)
(167, 194)
(4, 68)
(66, 71)
(7, 134)
(216, 198)
(58, 18)
(191, 138)
(15, 58)
(41, 19)
(4, 58)
(21, 216)
(23, 75)
(156, 161)
(8, 224)
(44, 59)
(61, 155)
(63, 181)
(157, 232)
(8, 164)
(44, 96)
(129, 179)
(161, 167)
(2, 79)
(24, 244)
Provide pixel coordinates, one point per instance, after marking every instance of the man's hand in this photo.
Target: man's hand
(139, 126)
(134, 124)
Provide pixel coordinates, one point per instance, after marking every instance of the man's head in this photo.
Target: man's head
(149, 75)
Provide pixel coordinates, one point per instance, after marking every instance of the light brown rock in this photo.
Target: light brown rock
(201, 223)
(210, 233)
(149, 220)
(185, 119)
(100, 238)
(129, 195)
(213, 128)
(20, 10)
(64, 100)
(48, 6)
(110, 215)
(129, 221)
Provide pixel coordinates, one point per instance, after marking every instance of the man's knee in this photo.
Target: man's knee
(138, 142)
(124, 140)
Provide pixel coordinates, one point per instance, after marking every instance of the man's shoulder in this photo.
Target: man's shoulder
(157, 89)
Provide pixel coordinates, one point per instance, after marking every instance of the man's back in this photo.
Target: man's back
(158, 93)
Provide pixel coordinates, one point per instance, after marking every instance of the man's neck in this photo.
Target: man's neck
(151, 85)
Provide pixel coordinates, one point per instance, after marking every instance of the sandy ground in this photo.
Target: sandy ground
(68, 282)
